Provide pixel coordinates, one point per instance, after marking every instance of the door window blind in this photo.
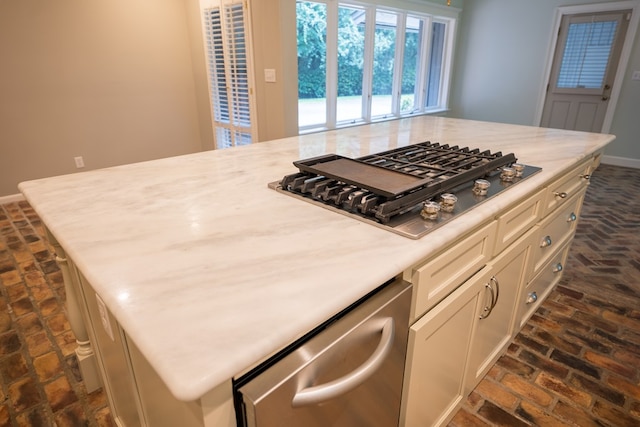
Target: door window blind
(586, 54)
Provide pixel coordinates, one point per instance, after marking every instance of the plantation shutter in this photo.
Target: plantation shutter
(229, 73)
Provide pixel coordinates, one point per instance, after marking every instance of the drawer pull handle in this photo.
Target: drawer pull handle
(320, 393)
(562, 195)
(532, 297)
(494, 297)
(585, 176)
(572, 217)
(546, 242)
(557, 268)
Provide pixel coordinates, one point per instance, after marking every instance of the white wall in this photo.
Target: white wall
(626, 122)
(500, 68)
(273, 26)
(112, 81)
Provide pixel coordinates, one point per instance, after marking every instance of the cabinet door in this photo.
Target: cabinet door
(436, 358)
(497, 306)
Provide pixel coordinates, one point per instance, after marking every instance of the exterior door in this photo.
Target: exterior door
(583, 69)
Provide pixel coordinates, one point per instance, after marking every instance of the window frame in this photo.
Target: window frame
(429, 16)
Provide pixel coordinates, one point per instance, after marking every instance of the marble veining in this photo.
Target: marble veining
(209, 271)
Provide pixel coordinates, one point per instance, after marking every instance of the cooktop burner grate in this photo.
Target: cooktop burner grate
(397, 179)
(386, 187)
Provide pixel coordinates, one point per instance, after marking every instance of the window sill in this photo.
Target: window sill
(375, 120)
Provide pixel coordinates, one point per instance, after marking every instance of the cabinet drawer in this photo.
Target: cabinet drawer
(542, 284)
(439, 276)
(517, 220)
(561, 190)
(556, 229)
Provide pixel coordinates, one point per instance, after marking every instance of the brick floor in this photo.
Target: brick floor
(575, 363)
(40, 382)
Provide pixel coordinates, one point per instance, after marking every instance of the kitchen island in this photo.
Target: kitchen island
(204, 272)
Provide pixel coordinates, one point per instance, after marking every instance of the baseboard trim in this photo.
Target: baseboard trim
(11, 198)
(621, 161)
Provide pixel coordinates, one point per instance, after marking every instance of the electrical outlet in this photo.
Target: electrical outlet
(104, 317)
(79, 162)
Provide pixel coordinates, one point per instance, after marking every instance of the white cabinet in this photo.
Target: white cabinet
(505, 277)
(113, 357)
(518, 220)
(470, 318)
(438, 346)
(137, 396)
(454, 344)
(569, 184)
(555, 230)
(541, 285)
(468, 301)
(438, 276)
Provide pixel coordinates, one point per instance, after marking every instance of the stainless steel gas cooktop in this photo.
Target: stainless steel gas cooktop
(409, 190)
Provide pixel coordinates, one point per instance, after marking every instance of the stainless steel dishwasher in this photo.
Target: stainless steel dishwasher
(347, 373)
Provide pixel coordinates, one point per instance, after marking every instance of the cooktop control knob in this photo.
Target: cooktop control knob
(448, 202)
(507, 174)
(519, 168)
(430, 210)
(480, 187)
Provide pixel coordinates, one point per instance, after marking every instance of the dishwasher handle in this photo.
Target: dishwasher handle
(339, 386)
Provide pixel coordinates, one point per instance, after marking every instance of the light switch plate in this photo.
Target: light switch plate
(635, 75)
(269, 75)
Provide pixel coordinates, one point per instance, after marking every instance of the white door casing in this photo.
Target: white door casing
(581, 111)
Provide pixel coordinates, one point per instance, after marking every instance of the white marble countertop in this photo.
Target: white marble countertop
(209, 271)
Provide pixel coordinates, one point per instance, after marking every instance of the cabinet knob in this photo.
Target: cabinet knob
(557, 268)
(572, 217)
(562, 195)
(532, 297)
(586, 176)
(546, 242)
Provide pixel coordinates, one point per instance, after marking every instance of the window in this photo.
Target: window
(586, 54)
(350, 63)
(228, 65)
(312, 59)
(361, 63)
(384, 64)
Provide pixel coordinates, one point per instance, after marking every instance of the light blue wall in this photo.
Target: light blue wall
(500, 66)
